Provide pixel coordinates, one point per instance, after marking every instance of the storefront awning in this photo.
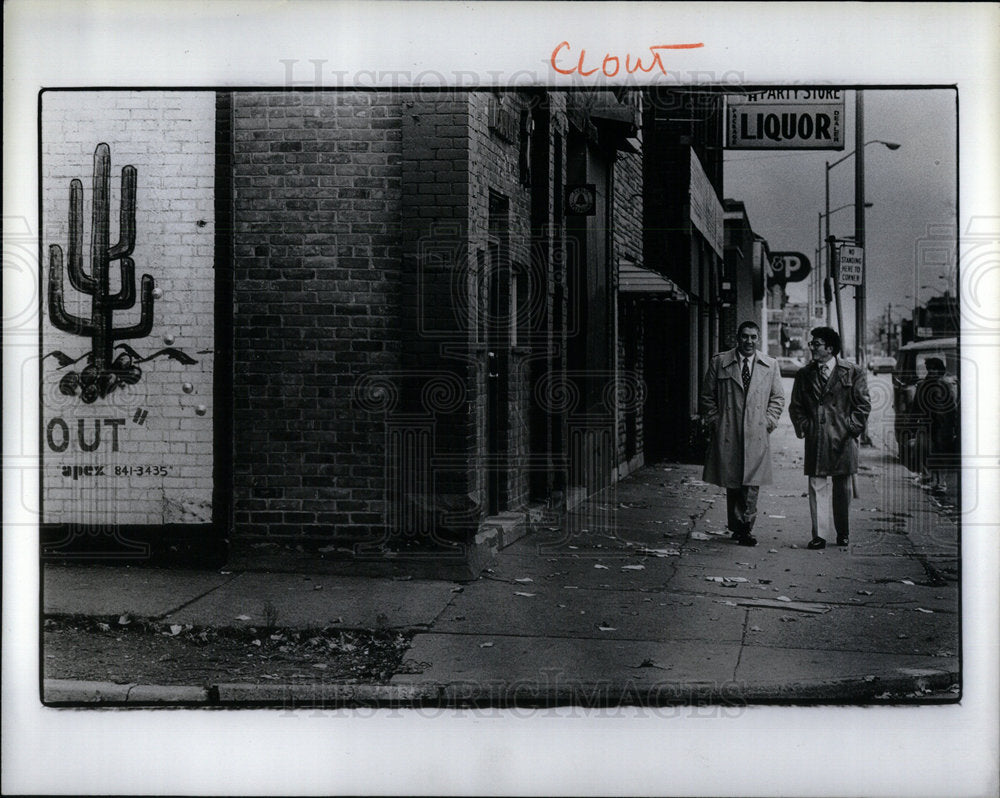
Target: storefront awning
(634, 279)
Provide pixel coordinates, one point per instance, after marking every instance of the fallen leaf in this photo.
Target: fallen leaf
(607, 628)
(906, 581)
(486, 645)
(104, 627)
(124, 620)
(524, 579)
(633, 567)
(777, 516)
(317, 587)
(921, 609)
(176, 629)
(783, 598)
(242, 617)
(570, 587)
(458, 589)
(756, 629)
(865, 593)
(519, 593)
(602, 566)
(320, 665)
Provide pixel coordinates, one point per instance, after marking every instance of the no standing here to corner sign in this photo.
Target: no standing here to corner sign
(852, 260)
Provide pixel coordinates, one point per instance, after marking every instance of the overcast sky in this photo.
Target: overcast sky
(914, 189)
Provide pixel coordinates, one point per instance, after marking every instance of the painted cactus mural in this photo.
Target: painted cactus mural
(101, 375)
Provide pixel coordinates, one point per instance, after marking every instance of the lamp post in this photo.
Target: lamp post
(859, 211)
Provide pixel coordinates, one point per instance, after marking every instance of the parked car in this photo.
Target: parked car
(880, 365)
(910, 368)
(790, 366)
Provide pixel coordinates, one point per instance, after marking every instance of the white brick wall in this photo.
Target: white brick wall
(169, 137)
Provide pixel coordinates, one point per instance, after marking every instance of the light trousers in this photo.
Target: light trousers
(822, 497)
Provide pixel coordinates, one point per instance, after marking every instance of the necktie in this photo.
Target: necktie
(824, 372)
(746, 375)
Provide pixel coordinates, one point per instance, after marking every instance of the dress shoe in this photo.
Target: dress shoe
(842, 540)
(746, 539)
(816, 543)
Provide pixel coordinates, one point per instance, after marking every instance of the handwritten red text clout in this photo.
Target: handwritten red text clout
(612, 64)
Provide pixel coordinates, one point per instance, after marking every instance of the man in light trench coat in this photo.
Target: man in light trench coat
(829, 408)
(741, 401)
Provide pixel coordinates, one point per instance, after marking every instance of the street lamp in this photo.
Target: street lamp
(859, 203)
(888, 144)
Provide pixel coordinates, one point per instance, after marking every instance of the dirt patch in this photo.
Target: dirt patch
(127, 650)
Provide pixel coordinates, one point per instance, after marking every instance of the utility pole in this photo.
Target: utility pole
(860, 293)
(860, 330)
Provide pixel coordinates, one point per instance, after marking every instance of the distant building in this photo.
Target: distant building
(745, 272)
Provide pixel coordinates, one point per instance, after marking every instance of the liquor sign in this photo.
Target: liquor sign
(785, 119)
(852, 265)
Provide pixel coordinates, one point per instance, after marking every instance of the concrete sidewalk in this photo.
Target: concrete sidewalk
(637, 596)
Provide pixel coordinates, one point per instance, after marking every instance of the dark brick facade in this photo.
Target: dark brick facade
(317, 296)
(402, 311)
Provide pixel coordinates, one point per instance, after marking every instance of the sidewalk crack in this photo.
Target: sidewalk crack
(199, 597)
(743, 642)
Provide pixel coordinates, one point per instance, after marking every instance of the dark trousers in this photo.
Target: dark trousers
(741, 508)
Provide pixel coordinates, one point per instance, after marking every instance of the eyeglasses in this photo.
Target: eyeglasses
(814, 344)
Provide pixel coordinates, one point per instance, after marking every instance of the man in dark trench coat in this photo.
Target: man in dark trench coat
(829, 408)
(741, 402)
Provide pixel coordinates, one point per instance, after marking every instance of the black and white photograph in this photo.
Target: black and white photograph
(606, 389)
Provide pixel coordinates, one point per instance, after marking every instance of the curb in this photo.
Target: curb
(892, 689)
(70, 691)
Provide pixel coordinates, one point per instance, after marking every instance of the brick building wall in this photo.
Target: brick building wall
(136, 448)
(628, 243)
(317, 297)
(438, 392)
(495, 169)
